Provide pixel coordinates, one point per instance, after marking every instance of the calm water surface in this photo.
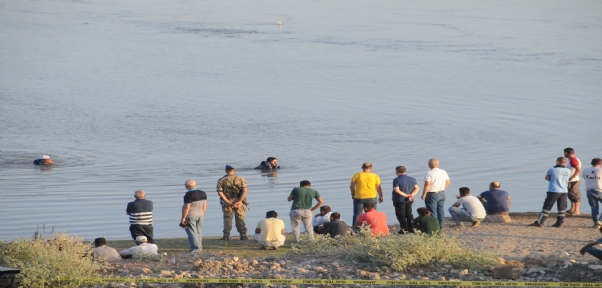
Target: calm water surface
(128, 95)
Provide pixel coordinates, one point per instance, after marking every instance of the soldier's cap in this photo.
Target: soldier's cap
(228, 167)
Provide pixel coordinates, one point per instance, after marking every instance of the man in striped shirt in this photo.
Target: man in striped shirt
(141, 216)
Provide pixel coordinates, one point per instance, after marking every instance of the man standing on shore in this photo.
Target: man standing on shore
(574, 195)
(435, 182)
(404, 189)
(301, 209)
(232, 191)
(559, 177)
(193, 214)
(364, 186)
(593, 181)
(141, 216)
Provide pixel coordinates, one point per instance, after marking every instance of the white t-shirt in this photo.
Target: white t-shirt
(437, 178)
(271, 229)
(473, 206)
(320, 220)
(593, 178)
(572, 164)
(106, 252)
(144, 248)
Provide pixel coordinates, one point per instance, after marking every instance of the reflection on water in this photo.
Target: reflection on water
(127, 96)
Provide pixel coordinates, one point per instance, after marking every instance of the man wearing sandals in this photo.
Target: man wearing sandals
(270, 231)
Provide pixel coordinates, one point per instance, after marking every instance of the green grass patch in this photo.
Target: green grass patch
(398, 253)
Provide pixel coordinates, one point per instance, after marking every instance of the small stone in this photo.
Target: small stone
(463, 272)
(595, 267)
(235, 259)
(123, 271)
(442, 278)
(448, 266)
(254, 262)
(165, 273)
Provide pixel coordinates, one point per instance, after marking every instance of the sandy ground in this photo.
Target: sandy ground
(515, 240)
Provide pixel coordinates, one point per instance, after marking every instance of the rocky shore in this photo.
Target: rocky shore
(529, 248)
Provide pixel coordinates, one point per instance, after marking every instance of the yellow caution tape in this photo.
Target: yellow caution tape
(347, 282)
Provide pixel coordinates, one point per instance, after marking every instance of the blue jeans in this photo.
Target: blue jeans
(358, 207)
(594, 252)
(595, 198)
(194, 231)
(460, 214)
(434, 203)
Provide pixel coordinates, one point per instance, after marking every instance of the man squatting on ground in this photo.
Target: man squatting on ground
(404, 190)
(301, 208)
(103, 251)
(364, 186)
(193, 214)
(593, 181)
(232, 191)
(589, 248)
(425, 222)
(142, 247)
(557, 192)
(435, 182)
(376, 220)
(321, 218)
(141, 216)
(335, 227)
(574, 164)
(270, 231)
(496, 201)
(473, 210)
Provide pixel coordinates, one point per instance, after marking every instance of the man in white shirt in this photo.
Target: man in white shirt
(473, 210)
(270, 231)
(593, 182)
(142, 247)
(321, 218)
(103, 251)
(435, 182)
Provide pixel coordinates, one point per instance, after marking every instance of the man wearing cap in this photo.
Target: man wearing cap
(142, 247)
(141, 216)
(193, 214)
(232, 190)
(435, 182)
(44, 160)
(364, 186)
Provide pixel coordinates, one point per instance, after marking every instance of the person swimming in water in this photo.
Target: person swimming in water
(44, 160)
(270, 164)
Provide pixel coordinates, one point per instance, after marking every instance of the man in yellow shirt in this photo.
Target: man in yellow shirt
(270, 231)
(364, 186)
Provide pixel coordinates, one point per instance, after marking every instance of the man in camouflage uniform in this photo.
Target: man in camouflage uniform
(232, 190)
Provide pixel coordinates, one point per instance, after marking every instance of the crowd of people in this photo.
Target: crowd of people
(366, 194)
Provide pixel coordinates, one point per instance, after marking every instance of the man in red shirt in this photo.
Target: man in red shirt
(377, 221)
(573, 163)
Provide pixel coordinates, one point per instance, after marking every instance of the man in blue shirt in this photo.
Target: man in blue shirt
(557, 192)
(497, 201)
(404, 189)
(589, 248)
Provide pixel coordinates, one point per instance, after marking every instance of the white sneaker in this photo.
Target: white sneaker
(598, 225)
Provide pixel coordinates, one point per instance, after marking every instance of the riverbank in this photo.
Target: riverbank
(544, 254)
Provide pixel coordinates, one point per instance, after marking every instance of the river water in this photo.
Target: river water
(128, 95)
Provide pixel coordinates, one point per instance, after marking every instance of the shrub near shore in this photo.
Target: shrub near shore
(46, 260)
(398, 253)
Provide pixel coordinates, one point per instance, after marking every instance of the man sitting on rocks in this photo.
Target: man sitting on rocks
(103, 251)
(142, 247)
(270, 231)
(497, 203)
(589, 248)
(473, 210)
(377, 221)
(335, 227)
(425, 222)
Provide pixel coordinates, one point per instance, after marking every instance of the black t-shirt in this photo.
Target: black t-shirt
(194, 195)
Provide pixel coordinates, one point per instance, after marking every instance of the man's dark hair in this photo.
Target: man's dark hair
(464, 191)
(100, 241)
(325, 208)
(230, 169)
(596, 161)
(400, 169)
(569, 150)
(422, 211)
(270, 159)
(304, 183)
(494, 186)
(369, 205)
(271, 214)
(335, 215)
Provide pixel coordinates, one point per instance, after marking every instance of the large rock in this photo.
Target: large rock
(497, 219)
